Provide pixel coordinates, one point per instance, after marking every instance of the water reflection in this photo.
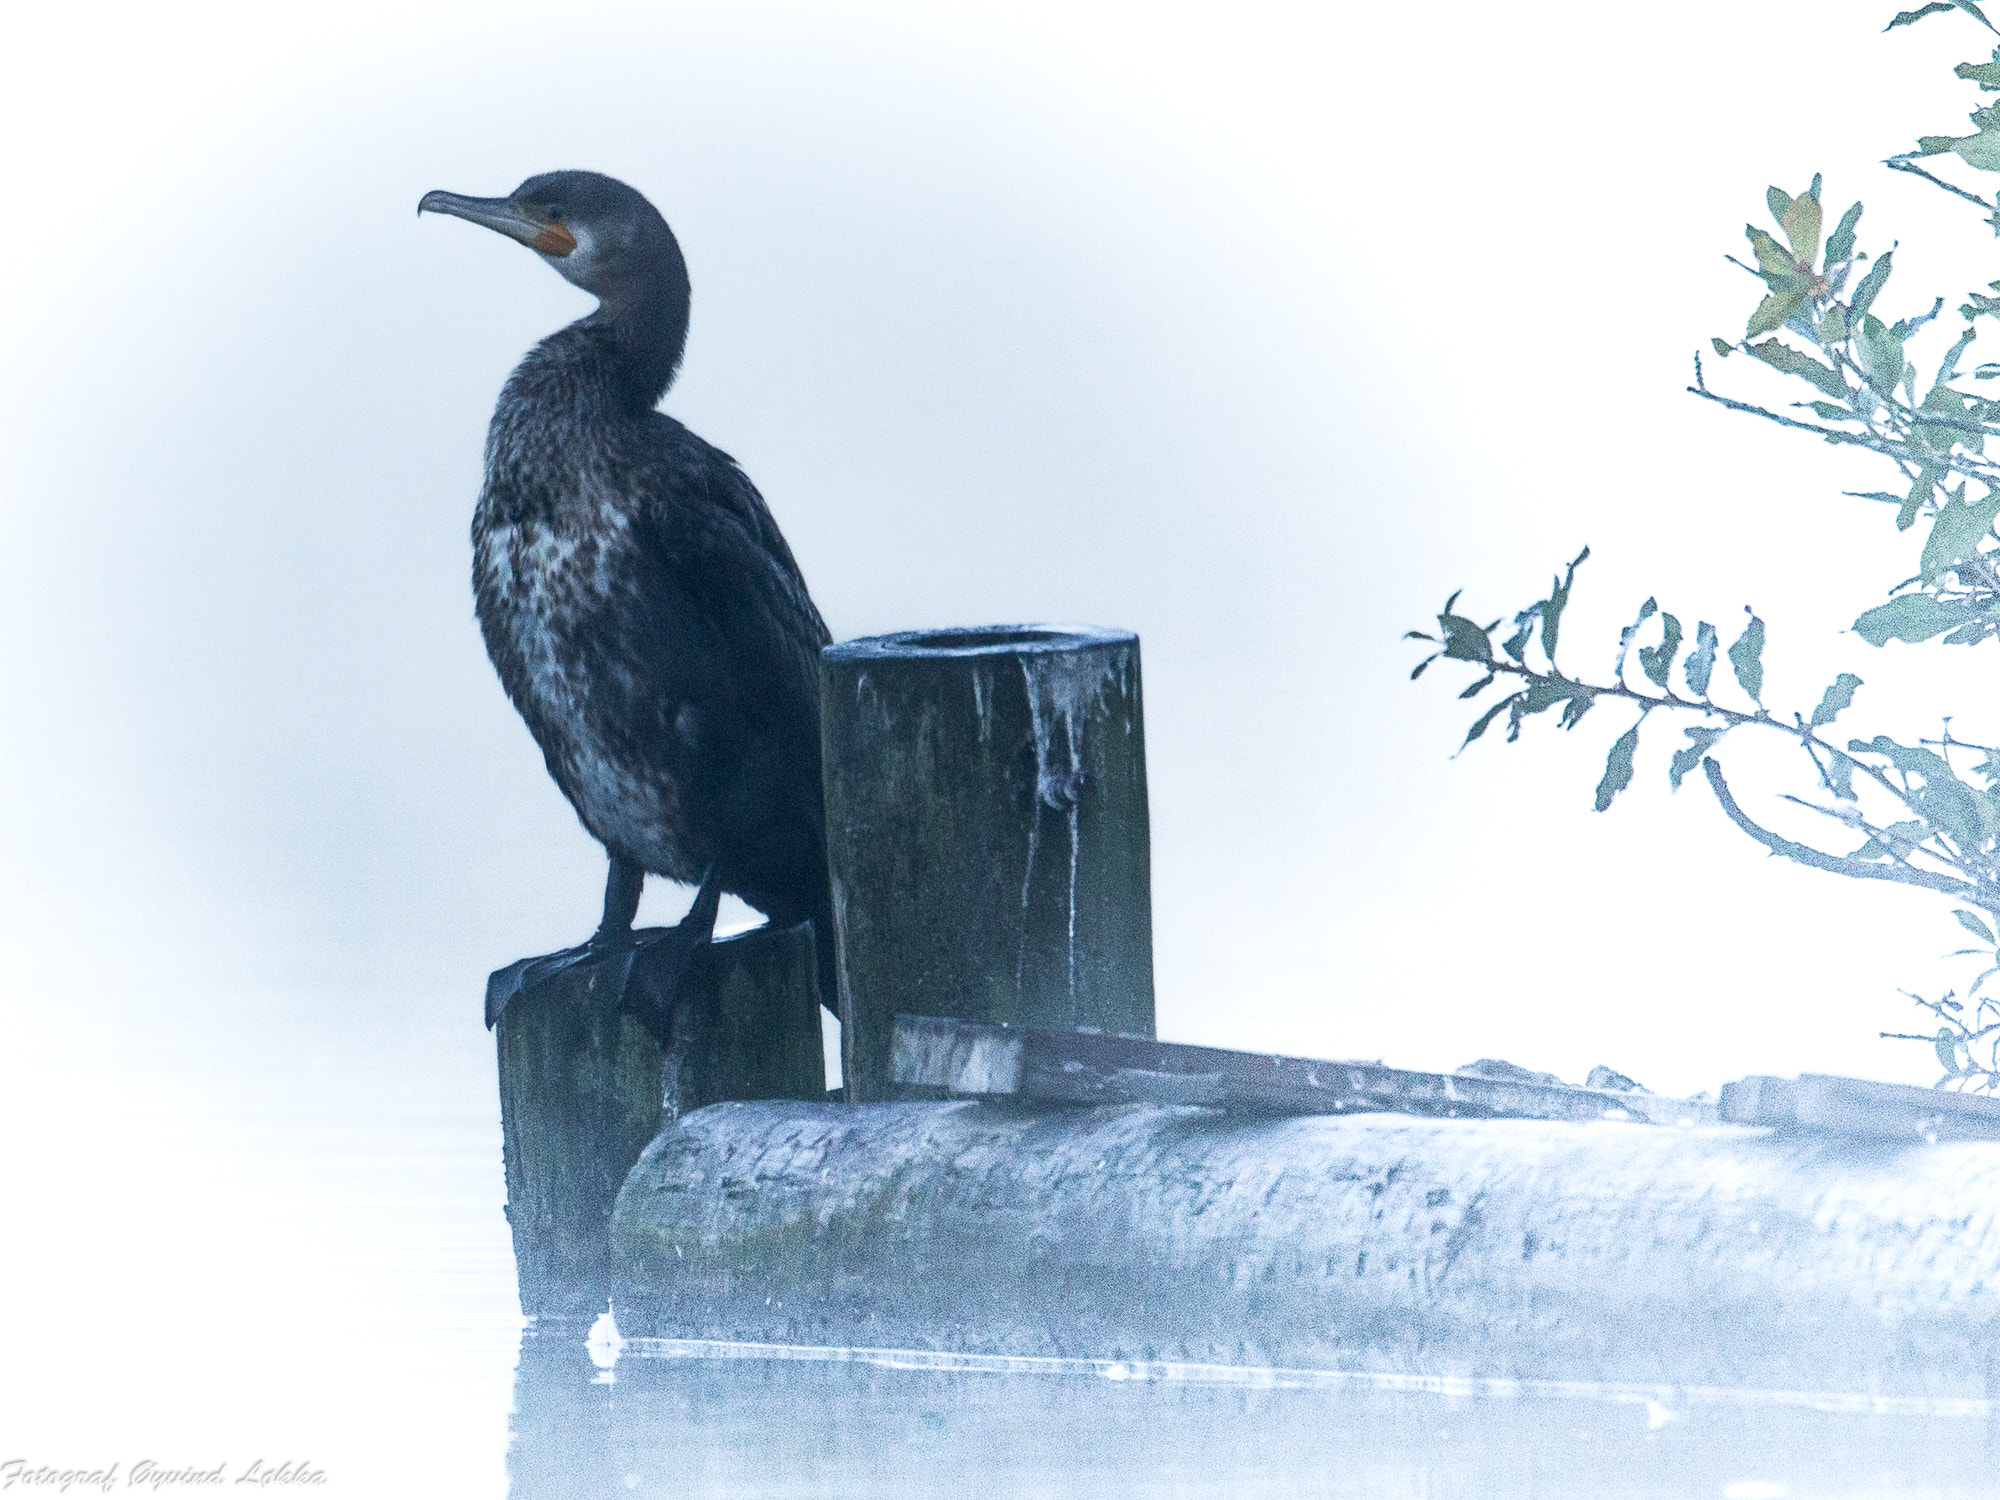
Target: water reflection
(278, 1234)
(652, 1418)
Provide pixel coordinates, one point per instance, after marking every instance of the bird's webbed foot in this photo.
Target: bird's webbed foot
(645, 969)
(663, 956)
(503, 985)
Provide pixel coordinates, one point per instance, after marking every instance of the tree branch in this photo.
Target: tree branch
(1805, 854)
(1887, 447)
(1903, 164)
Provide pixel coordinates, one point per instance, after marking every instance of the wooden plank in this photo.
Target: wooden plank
(935, 1057)
(1861, 1107)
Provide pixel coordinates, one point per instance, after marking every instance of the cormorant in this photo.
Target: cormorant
(642, 609)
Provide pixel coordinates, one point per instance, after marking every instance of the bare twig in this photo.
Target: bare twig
(1904, 164)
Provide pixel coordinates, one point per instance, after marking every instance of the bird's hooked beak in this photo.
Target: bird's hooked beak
(504, 215)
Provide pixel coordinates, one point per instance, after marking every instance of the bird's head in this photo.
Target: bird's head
(598, 233)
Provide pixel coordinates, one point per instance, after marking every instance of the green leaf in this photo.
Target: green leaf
(1779, 202)
(1981, 150)
(1871, 286)
(1722, 349)
(1463, 639)
(1947, 803)
(1881, 353)
(1838, 777)
(1904, 327)
(1774, 309)
(1905, 837)
(1478, 687)
(1801, 221)
(1913, 618)
(1746, 659)
(1553, 606)
(1618, 767)
(1836, 699)
(1973, 925)
(1701, 660)
(1782, 356)
(1657, 661)
(1912, 760)
(1840, 244)
(1945, 1044)
(1948, 369)
(1909, 17)
(1832, 326)
(1986, 75)
(1487, 718)
(1960, 527)
(1625, 637)
(1949, 432)
(1689, 756)
(1972, 9)
(1831, 412)
(1547, 692)
(1920, 492)
(1776, 267)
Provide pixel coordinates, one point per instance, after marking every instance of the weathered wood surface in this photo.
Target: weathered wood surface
(585, 1083)
(1712, 1256)
(961, 1059)
(987, 833)
(1861, 1107)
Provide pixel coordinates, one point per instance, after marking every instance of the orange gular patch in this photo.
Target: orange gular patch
(554, 240)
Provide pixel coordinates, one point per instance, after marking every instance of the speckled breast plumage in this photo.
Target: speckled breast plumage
(554, 593)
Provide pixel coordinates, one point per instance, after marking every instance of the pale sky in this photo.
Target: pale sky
(1257, 330)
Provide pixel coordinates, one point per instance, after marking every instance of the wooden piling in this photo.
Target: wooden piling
(586, 1083)
(987, 833)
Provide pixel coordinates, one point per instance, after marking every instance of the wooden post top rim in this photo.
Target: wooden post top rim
(766, 930)
(978, 640)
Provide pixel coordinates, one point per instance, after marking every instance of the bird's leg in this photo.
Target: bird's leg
(666, 955)
(621, 900)
(612, 942)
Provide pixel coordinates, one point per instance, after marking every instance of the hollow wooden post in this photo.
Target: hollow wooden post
(585, 1084)
(987, 833)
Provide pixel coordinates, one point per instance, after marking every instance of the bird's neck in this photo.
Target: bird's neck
(646, 332)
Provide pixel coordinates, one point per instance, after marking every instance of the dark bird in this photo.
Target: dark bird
(642, 609)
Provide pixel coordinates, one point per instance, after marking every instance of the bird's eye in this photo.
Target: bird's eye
(556, 215)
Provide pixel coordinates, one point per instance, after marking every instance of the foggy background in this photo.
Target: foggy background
(1257, 330)
(1258, 335)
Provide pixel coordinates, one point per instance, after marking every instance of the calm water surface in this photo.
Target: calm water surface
(274, 1234)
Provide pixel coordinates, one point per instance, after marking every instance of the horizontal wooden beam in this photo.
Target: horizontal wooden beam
(938, 1058)
(1858, 1106)
(1787, 1267)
